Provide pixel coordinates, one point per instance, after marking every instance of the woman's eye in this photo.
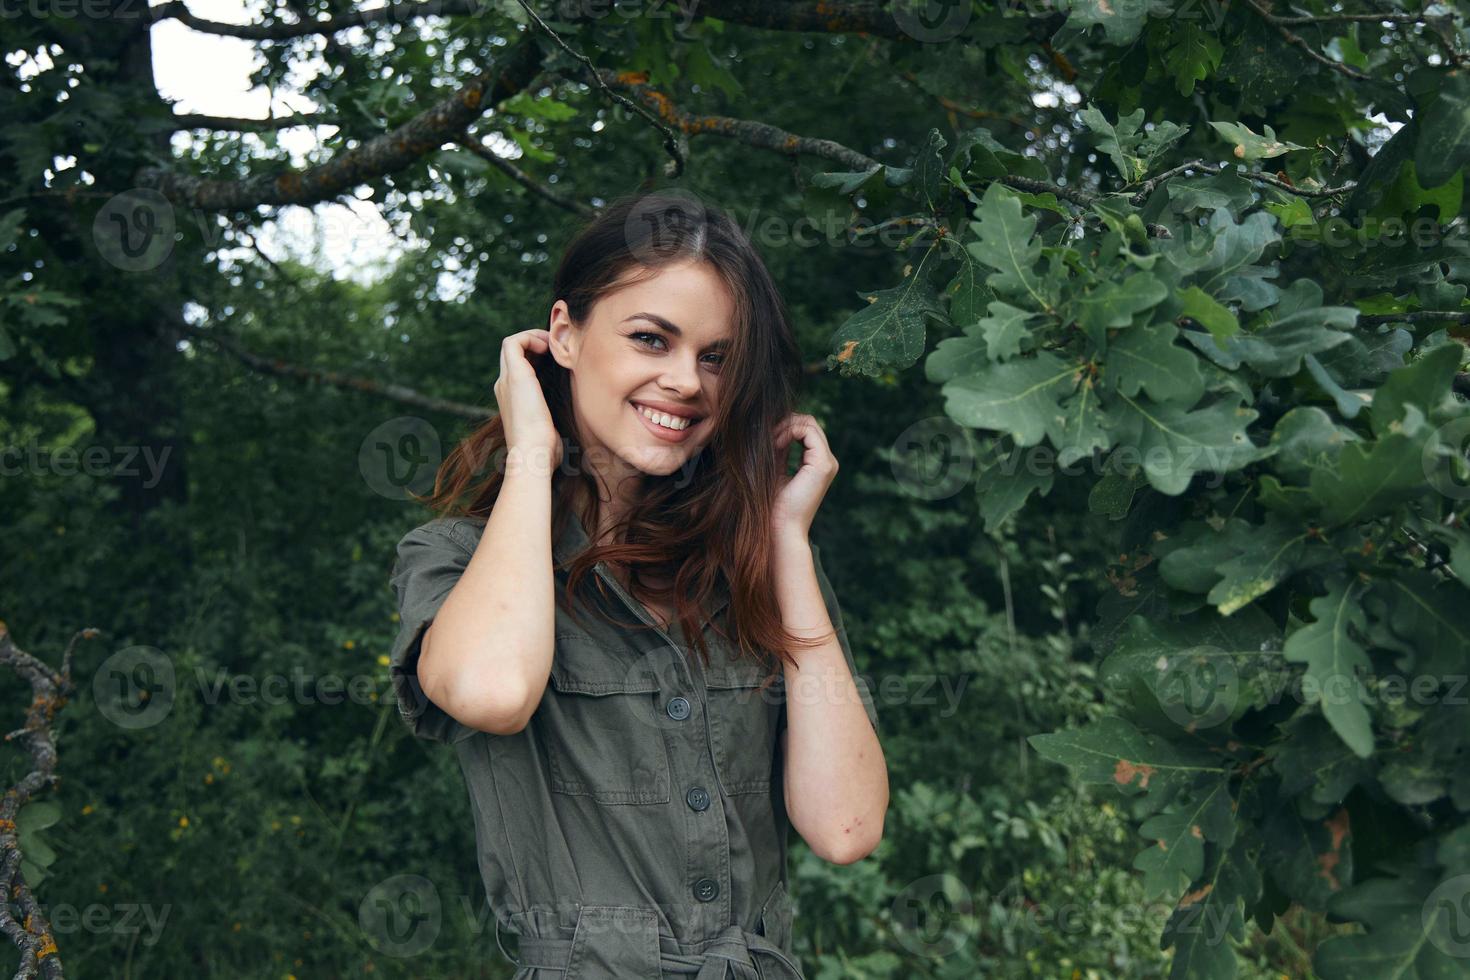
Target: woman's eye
(646, 338)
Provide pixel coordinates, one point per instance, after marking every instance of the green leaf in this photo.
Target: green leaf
(1333, 658)
(1251, 146)
(1004, 329)
(888, 333)
(1121, 22)
(708, 72)
(1083, 427)
(1372, 477)
(1201, 307)
(1004, 487)
(1211, 910)
(1006, 242)
(1112, 495)
(1443, 144)
(1306, 439)
(967, 291)
(929, 170)
(1176, 443)
(1146, 357)
(1114, 304)
(1303, 326)
(1018, 397)
(1191, 57)
(1110, 750)
(1315, 767)
(1310, 859)
(1424, 383)
(845, 182)
(1408, 934)
(527, 105)
(1177, 856)
(1132, 149)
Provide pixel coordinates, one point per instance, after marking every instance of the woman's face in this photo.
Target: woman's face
(649, 348)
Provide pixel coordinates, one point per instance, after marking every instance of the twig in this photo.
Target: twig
(757, 134)
(671, 145)
(473, 144)
(50, 689)
(393, 392)
(1300, 42)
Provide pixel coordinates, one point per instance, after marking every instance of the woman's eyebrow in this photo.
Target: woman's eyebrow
(671, 328)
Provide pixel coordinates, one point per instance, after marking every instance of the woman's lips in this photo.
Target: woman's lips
(667, 435)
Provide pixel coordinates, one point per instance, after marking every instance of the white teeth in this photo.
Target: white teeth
(667, 421)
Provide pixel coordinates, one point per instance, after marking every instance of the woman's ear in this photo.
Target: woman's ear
(565, 338)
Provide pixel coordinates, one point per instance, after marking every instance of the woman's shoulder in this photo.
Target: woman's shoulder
(464, 530)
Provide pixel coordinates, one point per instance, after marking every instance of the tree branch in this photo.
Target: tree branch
(192, 120)
(671, 146)
(1298, 41)
(392, 13)
(393, 392)
(32, 935)
(383, 154)
(473, 144)
(758, 134)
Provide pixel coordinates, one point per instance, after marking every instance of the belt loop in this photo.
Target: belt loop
(509, 957)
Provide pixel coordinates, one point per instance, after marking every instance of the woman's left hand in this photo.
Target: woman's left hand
(801, 494)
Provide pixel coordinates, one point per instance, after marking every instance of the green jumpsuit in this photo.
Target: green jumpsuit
(636, 827)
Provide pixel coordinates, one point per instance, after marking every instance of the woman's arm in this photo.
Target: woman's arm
(836, 778)
(486, 657)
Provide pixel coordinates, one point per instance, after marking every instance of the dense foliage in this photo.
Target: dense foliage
(1147, 320)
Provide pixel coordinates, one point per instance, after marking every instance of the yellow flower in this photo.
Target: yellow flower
(209, 777)
(183, 821)
(348, 645)
(86, 809)
(295, 818)
(383, 659)
(393, 617)
(102, 887)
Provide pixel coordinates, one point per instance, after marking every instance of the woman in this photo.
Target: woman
(632, 798)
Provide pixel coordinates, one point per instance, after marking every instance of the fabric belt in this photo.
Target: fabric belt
(735, 952)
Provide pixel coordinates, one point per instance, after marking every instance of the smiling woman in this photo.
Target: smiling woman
(632, 759)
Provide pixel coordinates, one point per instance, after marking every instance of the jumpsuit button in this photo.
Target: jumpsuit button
(705, 889)
(697, 798)
(678, 708)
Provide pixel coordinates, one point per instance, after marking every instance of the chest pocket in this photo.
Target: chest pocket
(602, 732)
(744, 719)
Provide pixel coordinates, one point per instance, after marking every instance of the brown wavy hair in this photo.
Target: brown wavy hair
(712, 516)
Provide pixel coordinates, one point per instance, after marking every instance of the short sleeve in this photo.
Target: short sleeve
(430, 560)
(834, 613)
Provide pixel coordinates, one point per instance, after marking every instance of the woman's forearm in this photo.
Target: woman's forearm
(487, 655)
(836, 780)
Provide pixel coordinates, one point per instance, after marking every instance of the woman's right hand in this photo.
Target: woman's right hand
(531, 438)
